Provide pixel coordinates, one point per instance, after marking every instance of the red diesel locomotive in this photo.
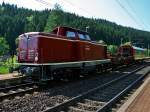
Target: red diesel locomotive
(49, 55)
(131, 53)
(128, 54)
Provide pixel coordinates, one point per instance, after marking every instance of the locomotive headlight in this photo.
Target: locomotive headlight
(36, 57)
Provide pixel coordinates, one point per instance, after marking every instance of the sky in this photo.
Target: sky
(131, 13)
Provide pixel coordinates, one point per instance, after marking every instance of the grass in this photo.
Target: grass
(4, 69)
(4, 66)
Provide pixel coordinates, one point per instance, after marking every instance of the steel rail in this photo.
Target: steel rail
(16, 86)
(119, 95)
(74, 100)
(19, 89)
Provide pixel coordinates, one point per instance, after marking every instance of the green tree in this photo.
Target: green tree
(57, 7)
(112, 49)
(54, 20)
(4, 47)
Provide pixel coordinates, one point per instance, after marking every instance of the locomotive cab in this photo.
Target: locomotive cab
(70, 33)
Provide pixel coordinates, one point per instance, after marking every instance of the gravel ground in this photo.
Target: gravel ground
(53, 96)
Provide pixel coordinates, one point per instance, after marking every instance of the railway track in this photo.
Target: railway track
(101, 98)
(20, 89)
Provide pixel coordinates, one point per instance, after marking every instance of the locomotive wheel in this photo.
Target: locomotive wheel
(57, 75)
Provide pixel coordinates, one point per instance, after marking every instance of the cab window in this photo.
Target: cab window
(81, 36)
(87, 37)
(126, 51)
(70, 34)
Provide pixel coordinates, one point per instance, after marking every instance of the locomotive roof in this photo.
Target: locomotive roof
(138, 48)
(134, 47)
(44, 33)
(70, 28)
(33, 34)
(126, 45)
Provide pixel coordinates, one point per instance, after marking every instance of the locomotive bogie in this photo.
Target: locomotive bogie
(49, 71)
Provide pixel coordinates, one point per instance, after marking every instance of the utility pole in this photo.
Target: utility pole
(86, 28)
(148, 50)
(130, 40)
(121, 41)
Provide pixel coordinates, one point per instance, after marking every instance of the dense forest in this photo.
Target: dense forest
(15, 21)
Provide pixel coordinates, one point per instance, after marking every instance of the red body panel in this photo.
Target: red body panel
(63, 50)
(55, 50)
(90, 51)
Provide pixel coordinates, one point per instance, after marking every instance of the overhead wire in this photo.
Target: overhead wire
(74, 5)
(68, 2)
(130, 15)
(134, 11)
(44, 2)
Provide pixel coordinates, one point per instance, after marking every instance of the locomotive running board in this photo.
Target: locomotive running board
(69, 64)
